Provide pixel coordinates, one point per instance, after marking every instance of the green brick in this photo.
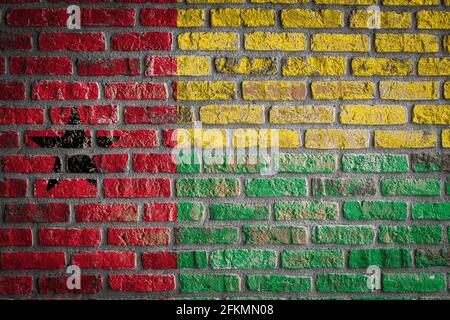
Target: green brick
(306, 163)
(210, 235)
(207, 187)
(383, 258)
(408, 282)
(381, 298)
(312, 258)
(431, 211)
(275, 187)
(192, 260)
(243, 259)
(339, 187)
(189, 211)
(411, 234)
(306, 210)
(231, 211)
(426, 258)
(209, 283)
(351, 235)
(374, 163)
(430, 162)
(188, 163)
(339, 282)
(375, 210)
(274, 234)
(410, 187)
(278, 283)
(237, 164)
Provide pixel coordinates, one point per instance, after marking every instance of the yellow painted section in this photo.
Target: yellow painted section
(410, 2)
(193, 65)
(434, 66)
(204, 90)
(314, 66)
(446, 138)
(433, 19)
(229, 114)
(279, 1)
(389, 42)
(336, 139)
(409, 90)
(274, 90)
(236, 17)
(447, 90)
(446, 43)
(340, 42)
(190, 18)
(346, 2)
(373, 115)
(208, 41)
(304, 18)
(381, 67)
(282, 41)
(264, 138)
(202, 138)
(362, 19)
(215, 1)
(397, 139)
(301, 114)
(246, 65)
(346, 90)
(431, 114)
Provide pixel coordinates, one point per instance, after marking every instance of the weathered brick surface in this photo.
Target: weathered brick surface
(333, 134)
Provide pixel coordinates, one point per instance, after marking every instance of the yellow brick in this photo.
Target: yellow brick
(346, 90)
(193, 66)
(346, 2)
(279, 1)
(235, 17)
(431, 114)
(412, 90)
(264, 138)
(433, 19)
(446, 43)
(389, 42)
(434, 67)
(275, 41)
(190, 18)
(447, 90)
(447, 2)
(336, 139)
(446, 138)
(203, 138)
(273, 90)
(410, 2)
(387, 20)
(208, 41)
(204, 90)
(314, 66)
(340, 42)
(397, 139)
(214, 1)
(373, 115)
(301, 114)
(229, 114)
(303, 18)
(246, 65)
(381, 67)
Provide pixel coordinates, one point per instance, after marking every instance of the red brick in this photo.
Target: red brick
(15, 41)
(37, 212)
(20, 1)
(16, 284)
(108, 17)
(170, 138)
(10, 90)
(41, 65)
(42, 17)
(154, 163)
(31, 164)
(15, 237)
(14, 115)
(89, 284)
(72, 41)
(151, 115)
(68, 188)
(109, 260)
(135, 41)
(109, 67)
(148, 1)
(59, 90)
(160, 66)
(138, 236)
(2, 65)
(135, 91)
(159, 260)
(156, 17)
(111, 163)
(141, 282)
(9, 139)
(13, 188)
(71, 139)
(136, 188)
(70, 237)
(32, 260)
(161, 212)
(127, 138)
(93, 115)
(106, 213)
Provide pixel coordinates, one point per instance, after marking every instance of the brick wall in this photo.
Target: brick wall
(357, 118)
